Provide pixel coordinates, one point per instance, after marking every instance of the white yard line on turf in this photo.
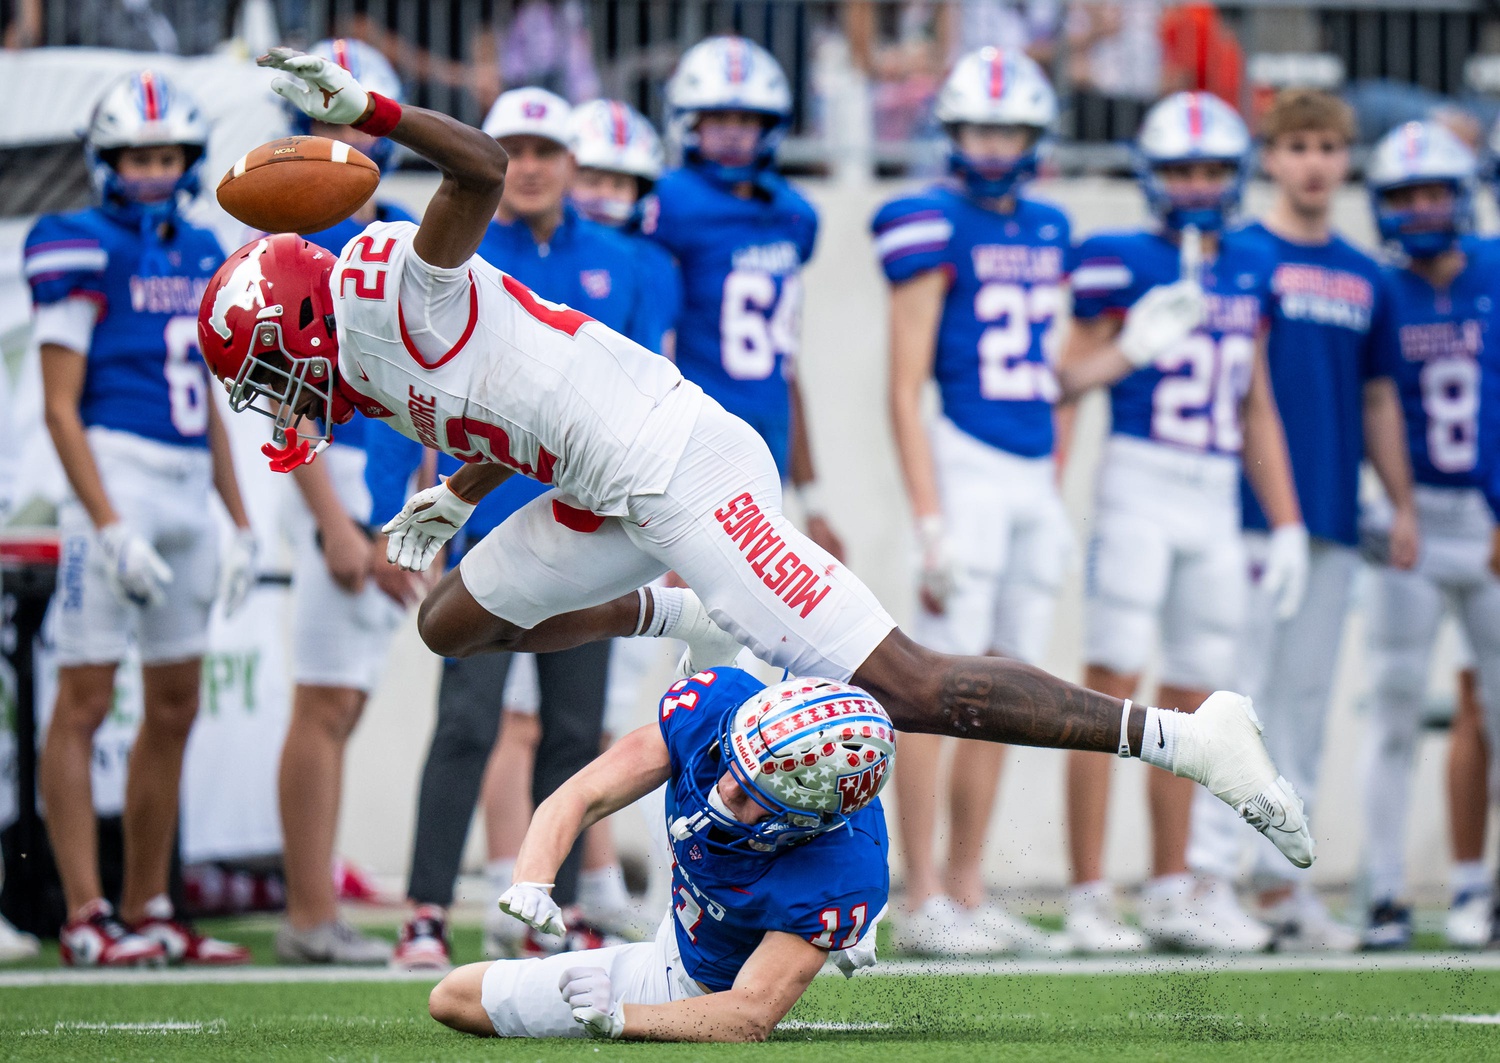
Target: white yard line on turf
(1409, 961)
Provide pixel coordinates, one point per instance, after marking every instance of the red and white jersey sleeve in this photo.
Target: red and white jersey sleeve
(471, 362)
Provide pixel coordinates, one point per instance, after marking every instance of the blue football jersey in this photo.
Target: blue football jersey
(1433, 346)
(585, 265)
(1189, 399)
(145, 374)
(826, 891)
(741, 261)
(1325, 315)
(1489, 422)
(993, 361)
(663, 304)
(335, 238)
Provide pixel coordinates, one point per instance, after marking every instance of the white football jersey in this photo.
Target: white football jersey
(470, 361)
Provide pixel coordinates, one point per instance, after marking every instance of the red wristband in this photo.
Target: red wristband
(383, 115)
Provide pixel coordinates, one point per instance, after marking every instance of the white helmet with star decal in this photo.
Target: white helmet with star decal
(811, 752)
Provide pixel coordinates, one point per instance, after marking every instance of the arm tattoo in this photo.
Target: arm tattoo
(999, 700)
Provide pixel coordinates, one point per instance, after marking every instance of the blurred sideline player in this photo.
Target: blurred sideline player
(1338, 405)
(1177, 333)
(780, 854)
(544, 243)
(348, 602)
(1470, 921)
(115, 288)
(741, 235)
(618, 159)
(649, 474)
(976, 274)
(1421, 180)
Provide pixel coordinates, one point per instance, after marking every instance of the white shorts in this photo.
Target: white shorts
(522, 997)
(1011, 543)
(161, 492)
(1166, 558)
(719, 525)
(340, 638)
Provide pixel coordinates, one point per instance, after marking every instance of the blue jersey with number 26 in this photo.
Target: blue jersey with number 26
(827, 891)
(741, 262)
(145, 374)
(1190, 398)
(994, 342)
(1433, 349)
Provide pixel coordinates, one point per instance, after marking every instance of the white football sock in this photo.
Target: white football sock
(499, 873)
(602, 890)
(1470, 876)
(666, 610)
(1159, 739)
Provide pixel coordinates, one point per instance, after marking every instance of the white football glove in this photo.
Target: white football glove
(1285, 577)
(589, 994)
(321, 89)
(136, 572)
(428, 520)
(938, 573)
(862, 954)
(237, 573)
(1160, 320)
(533, 905)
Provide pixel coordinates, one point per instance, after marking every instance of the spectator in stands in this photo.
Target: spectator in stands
(1115, 65)
(1200, 53)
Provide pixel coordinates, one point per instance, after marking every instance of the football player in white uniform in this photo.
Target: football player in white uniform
(1172, 319)
(649, 475)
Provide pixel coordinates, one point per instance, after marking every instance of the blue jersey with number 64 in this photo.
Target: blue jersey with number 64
(827, 891)
(1190, 397)
(741, 259)
(145, 374)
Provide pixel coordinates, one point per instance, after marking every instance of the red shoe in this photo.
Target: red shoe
(97, 939)
(182, 943)
(351, 883)
(424, 941)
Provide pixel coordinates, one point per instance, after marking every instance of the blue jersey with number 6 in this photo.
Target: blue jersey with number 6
(827, 891)
(741, 260)
(145, 374)
(993, 361)
(1190, 397)
(1433, 349)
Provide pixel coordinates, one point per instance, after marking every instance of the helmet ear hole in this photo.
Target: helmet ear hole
(305, 315)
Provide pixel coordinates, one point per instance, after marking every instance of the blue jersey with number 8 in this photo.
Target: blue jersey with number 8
(1433, 349)
(827, 891)
(740, 323)
(993, 360)
(1190, 398)
(145, 374)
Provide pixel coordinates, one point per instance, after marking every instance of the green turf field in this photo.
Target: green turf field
(1223, 1017)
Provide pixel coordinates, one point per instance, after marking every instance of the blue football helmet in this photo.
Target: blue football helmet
(993, 87)
(1422, 153)
(811, 752)
(1191, 127)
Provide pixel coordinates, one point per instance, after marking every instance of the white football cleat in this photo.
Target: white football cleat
(1468, 923)
(708, 645)
(1093, 927)
(1184, 916)
(942, 928)
(1025, 939)
(1221, 747)
(1303, 923)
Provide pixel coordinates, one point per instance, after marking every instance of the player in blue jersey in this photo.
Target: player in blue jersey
(779, 858)
(115, 288)
(1173, 320)
(977, 273)
(619, 158)
(1442, 303)
(347, 603)
(1338, 406)
(741, 235)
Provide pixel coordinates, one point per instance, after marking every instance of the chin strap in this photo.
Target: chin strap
(296, 452)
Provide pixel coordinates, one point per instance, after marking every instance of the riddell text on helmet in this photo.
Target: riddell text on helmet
(791, 579)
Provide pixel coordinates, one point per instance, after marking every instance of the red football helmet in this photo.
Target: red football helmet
(265, 327)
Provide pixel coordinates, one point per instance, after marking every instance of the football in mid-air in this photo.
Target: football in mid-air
(298, 185)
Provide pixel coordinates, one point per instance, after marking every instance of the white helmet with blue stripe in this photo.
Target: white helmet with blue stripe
(1422, 153)
(999, 88)
(728, 74)
(1192, 127)
(612, 135)
(811, 752)
(143, 110)
(373, 72)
